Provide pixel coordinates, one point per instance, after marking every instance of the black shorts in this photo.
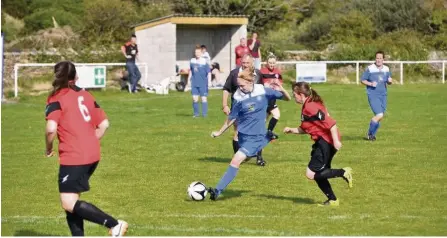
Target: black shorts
(272, 105)
(321, 155)
(74, 178)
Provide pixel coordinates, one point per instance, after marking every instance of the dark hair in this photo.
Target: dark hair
(304, 88)
(380, 52)
(64, 74)
(133, 35)
(203, 46)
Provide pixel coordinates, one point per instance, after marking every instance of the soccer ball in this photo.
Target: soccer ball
(197, 191)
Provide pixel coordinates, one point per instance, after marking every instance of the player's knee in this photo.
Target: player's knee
(204, 99)
(68, 204)
(310, 174)
(379, 116)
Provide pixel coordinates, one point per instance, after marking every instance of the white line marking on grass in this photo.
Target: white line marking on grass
(216, 230)
(214, 216)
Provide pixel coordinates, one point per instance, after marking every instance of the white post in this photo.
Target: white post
(16, 80)
(357, 69)
(145, 75)
(401, 73)
(443, 71)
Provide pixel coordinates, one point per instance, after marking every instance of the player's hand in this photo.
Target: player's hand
(49, 153)
(374, 84)
(390, 80)
(288, 130)
(226, 110)
(337, 145)
(129, 56)
(215, 134)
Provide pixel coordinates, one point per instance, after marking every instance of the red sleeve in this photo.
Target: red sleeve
(97, 114)
(53, 111)
(320, 114)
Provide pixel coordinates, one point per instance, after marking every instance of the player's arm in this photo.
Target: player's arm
(123, 50)
(226, 93)
(390, 79)
(286, 95)
(53, 112)
(365, 79)
(228, 122)
(50, 135)
(101, 129)
(293, 130)
(334, 134)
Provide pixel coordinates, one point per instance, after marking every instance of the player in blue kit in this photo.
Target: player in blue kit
(199, 76)
(376, 78)
(250, 111)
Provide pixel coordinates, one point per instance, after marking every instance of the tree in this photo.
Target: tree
(263, 14)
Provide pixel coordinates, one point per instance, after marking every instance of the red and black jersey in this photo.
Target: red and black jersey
(316, 121)
(268, 76)
(131, 50)
(77, 115)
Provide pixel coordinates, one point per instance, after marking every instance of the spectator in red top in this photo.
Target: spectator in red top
(241, 50)
(316, 122)
(74, 116)
(255, 49)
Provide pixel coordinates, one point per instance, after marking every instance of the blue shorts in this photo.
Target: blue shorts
(377, 103)
(199, 91)
(250, 145)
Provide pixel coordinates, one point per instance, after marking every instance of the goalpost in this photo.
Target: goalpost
(143, 80)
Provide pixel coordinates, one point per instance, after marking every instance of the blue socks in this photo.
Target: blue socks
(195, 106)
(373, 127)
(229, 175)
(204, 109)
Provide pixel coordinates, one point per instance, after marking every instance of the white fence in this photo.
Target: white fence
(144, 65)
(17, 66)
(357, 64)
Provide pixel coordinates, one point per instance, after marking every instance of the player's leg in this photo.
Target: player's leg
(229, 175)
(204, 95)
(137, 76)
(317, 165)
(235, 142)
(376, 107)
(130, 75)
(272, 123)
(378, 117)
(73, 180)
(195, 101)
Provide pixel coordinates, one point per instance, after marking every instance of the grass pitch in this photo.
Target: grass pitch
(154, 149)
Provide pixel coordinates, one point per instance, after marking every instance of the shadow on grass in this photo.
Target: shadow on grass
(226, 194)
(353, 138)
(250, 161)
(32, 233)
(216, 159)
(293, 199)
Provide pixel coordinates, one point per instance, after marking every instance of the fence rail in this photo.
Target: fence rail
(358, 62)
(19, 65)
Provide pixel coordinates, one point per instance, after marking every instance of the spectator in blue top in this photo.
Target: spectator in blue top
(376, 78)
(199, 76)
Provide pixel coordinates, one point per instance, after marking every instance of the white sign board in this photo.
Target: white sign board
(91, 76)
(311, 73)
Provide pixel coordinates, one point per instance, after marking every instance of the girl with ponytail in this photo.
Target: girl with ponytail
(316, 122)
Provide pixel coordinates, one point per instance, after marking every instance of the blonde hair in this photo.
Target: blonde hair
(247, 75)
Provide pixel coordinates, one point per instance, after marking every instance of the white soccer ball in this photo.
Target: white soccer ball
(197, 191)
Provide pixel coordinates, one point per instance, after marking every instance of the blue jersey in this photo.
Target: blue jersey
(199, 72)
(374, 74)
(250, 109)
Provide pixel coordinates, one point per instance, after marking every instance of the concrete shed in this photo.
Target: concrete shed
(170, 40)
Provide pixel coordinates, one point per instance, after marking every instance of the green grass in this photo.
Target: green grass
(154, 149)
